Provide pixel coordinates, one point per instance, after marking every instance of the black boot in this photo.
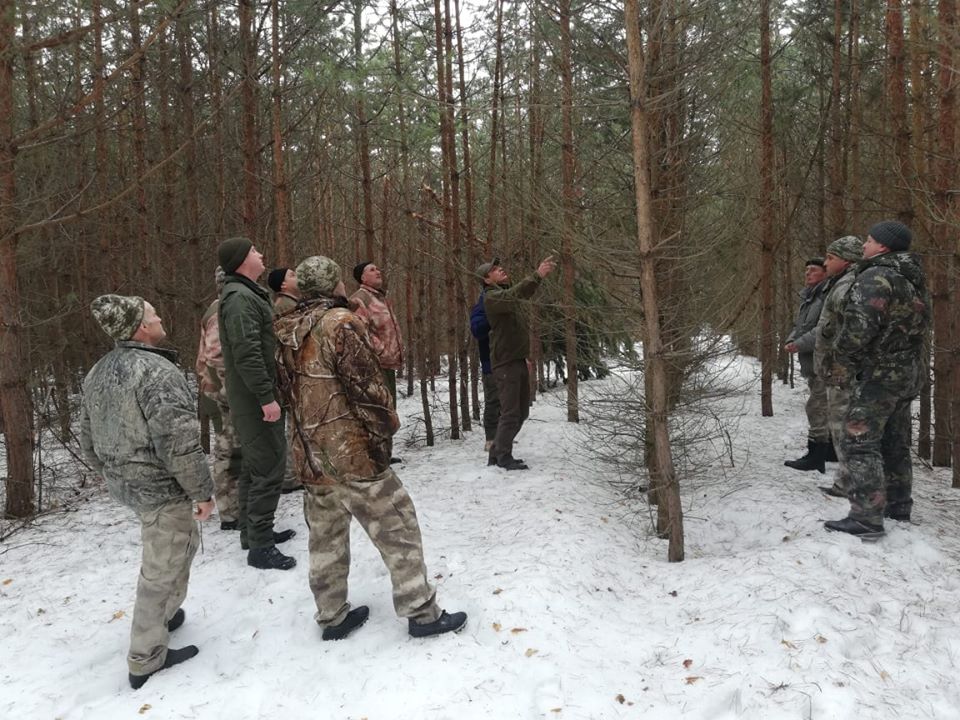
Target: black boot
(509, 462)
(897, 515)
(278, 537)
(269, 558)
(813, 460)
(443, 624)
(859, 528)
(230, 525)
(174, 657)
(354, 619)
(177, 620)
(831, 455)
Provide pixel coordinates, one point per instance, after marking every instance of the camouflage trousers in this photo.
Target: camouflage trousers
(226, 464)
(491, 406)
(876, 445)
(816, 407)
(290, 479)
(838, 401)
(385, 511)
(170, 539)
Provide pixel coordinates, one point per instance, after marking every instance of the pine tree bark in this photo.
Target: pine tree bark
(363, 135)
(654, 352)
(896, 91)
(280, 202)
(836, 214)
(767, 358)
(568, 171)
(248, 111)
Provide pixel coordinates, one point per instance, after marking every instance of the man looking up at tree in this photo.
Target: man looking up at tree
(507, 309)
(801, 341)
(139, 432)
(249, 345)
(881, 346)
(842, 254)
(343, 421)
(370, 304)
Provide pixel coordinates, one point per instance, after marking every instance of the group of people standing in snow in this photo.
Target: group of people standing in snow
(860, 337)
(302, 392)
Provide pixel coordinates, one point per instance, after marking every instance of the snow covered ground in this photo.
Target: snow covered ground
(574, 611)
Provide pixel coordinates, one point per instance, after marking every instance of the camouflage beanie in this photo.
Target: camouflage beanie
(317, 275)
(849, 248)
(233, 252)
(893, 235)
(119, 316)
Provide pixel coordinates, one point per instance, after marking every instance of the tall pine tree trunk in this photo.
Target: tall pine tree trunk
(568, 172)
(767, 357)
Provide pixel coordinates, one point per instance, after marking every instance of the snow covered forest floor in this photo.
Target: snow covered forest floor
(574, 611)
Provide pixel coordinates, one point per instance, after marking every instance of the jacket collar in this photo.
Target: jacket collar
(166, 353)
(257, 288)
(373, 291)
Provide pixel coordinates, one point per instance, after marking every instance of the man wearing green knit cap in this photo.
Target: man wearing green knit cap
(249, 345)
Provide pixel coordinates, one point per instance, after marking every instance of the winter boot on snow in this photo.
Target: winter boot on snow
(278, 537)
(174, 657)
(354, 619)
(443, 624)
(269, 558)
(831, 455)
(509, 462)
(177, 620)
(813, 460)
(858, 528)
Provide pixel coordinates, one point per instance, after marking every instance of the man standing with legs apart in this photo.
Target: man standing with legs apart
(506, 308)
(842, 254)
(343, 421)
(139, 431)
(249, 346)
(881, 345)
(801, 341)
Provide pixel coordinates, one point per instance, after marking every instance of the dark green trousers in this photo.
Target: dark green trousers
(263, 446)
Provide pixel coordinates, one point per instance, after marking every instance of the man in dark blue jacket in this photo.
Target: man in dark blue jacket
(480, 327)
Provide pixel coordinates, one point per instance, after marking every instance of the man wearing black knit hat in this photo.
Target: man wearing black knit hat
(249, 348)
(880, 348)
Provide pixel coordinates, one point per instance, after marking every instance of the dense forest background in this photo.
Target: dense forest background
(681, 158)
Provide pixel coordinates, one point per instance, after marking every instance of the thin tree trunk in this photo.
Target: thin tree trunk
(896, 89)
(536, 133)
(363, 136)
(469, 376)
(137, 91)
(216, 97)
(424, 302)
(856, 121)
(568, 169)
(491, 216)
(766, 215)
(654, 354)
(248, 102)
(836, 215)
(191, 186)
(14, 389)
(281, 219)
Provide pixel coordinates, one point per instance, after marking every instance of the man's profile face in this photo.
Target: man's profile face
(496, 276)
(835, 265)
(813, 275)
(871, 248)
(151, 330)
(372, 277)
(289, 284)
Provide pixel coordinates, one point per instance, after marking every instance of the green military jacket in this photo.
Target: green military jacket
(249, 345)
(507, 308)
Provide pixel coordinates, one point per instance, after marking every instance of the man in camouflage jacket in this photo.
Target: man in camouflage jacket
(370, 304)
(139, 431)
(213, 397)
(880, 349)
(842, 255)
(249, 348)
(343, 421)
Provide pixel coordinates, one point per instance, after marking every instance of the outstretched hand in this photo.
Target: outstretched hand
(547, 266)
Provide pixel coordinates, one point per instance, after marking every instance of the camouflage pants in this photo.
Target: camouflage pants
(491, 406)
(226, 464)
(385, 511)
(838, 401)
(876, 444)
(290, 479)
(816, 407)
(170, 539)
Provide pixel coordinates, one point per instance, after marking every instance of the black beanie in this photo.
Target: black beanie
(358, 270)
(275, 278)
(818, 261)
(893, 235)
(233, 252)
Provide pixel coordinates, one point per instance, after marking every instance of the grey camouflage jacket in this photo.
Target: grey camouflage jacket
(885, 323)
(139, 428)
(805, 326)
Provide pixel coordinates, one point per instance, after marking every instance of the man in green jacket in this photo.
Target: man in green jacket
(249, 348)
(506, 308)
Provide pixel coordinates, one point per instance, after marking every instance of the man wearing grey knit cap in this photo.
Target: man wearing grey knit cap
(250, 370)
(842, 255)
(139, 432)
(880, 349)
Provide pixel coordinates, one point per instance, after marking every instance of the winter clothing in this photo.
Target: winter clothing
(233, 252)
(283, 303)
(849, 248)
(317, 275)
(480, 327)
(818, 261)
(139, 431)
(513, 390)
(484, 269)
(893, 235)
(344, 419)
(383, 330)
(358, 270)
(805, 325)
(880, 348)
(276, 277)
(249, 346)
(118, 316)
